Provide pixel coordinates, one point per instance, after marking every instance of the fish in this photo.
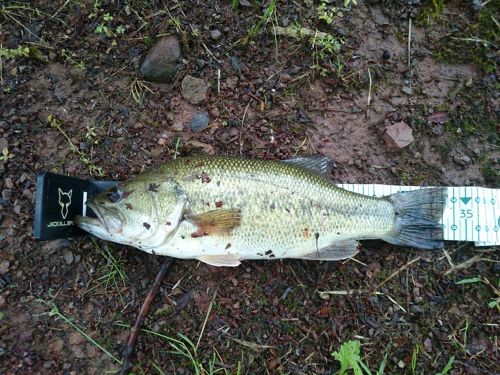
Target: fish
(222, 210)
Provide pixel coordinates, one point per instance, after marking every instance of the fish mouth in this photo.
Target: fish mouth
(100, 217)
(110, 225)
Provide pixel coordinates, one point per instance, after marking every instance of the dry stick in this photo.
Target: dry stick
(409, 41)
(134, 334)
(395, 273)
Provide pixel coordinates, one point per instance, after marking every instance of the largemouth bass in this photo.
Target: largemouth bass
(221, 210)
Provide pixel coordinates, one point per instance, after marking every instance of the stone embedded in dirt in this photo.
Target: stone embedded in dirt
(216, 35)
(4, 266)
(407, 90)
(462, 160)
(398, 136)
(428, 345)
(438, 129)
(199, 122)
(77, 74)
(162, 61)
(3, 303)
(194, 90)
(68, 257)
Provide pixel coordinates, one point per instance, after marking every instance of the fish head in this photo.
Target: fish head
(139, 212)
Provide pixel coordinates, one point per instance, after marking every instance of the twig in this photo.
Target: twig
(369, 100)
(134, 334)
(395, 273)
(209, 310)
(409, 41)
(241, 129)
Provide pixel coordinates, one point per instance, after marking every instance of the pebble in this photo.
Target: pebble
(216, 34)
(200, 62)
(386, 55)
(428, 345)
(68, 257)
(462, 160)
(193, 89)
(199, 122)
(162, 61)
(416, 309)
(438, 129)
(4, 267)
(398, 136)
(407, 90)
(3, 303)
(77, 74)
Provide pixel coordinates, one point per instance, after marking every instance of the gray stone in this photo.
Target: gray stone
(162, 61)
(407, 90)
(462, 160)
(199, 122)
(216, 35)
(438, 129)
(194, 90)
(68, 257)
(77, 74)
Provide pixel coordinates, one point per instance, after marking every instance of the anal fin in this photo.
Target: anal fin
(335, 251)
(224, 260)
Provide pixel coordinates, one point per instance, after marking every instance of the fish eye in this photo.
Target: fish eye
(114, 195)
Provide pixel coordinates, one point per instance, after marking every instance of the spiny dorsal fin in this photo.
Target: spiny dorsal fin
(225, 260)
(216, 221)
(335, 251)
(317, 163)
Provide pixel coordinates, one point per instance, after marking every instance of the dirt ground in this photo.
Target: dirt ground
(73, 102)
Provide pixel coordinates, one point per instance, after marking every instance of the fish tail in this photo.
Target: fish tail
(417, 218)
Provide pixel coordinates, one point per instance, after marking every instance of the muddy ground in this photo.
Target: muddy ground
(73, 102)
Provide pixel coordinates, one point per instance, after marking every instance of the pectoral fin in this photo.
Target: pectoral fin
(226, 260)
(335, 251)
(215, 222)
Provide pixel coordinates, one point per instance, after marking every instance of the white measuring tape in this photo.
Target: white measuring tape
(471, 213)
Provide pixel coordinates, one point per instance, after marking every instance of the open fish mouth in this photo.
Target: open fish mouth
(104, 221)
(100, 217)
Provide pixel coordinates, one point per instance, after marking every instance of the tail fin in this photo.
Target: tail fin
(417, 218)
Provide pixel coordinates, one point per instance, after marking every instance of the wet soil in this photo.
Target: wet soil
(77, 105)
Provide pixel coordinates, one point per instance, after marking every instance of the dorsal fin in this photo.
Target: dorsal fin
(316, 163)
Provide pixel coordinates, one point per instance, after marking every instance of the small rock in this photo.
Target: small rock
(462, 160)
(398, 136)
(200, 62)
(438, 129)
(407, 90)
(214, 112)
(416, 309)
(428, 345)
(8, 183)
(4, 267)
(55, 345)
(199, 122)
(68, 257)
(3, 303)
(401, 364)
(162, 61)
(216, 34)
(194, 90)
(77, 74)
(386, 55)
